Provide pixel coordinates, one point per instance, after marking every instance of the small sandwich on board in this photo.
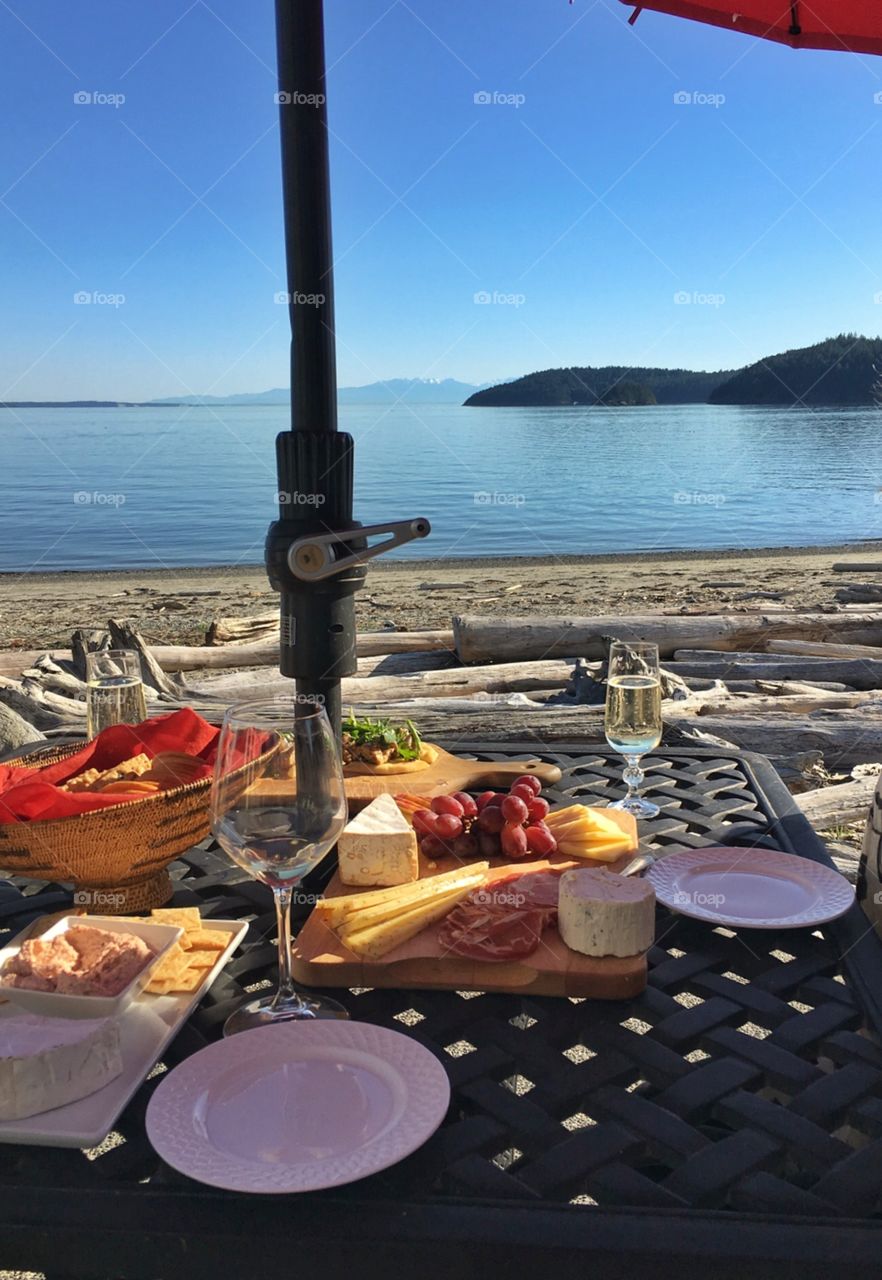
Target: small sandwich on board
(376, 748)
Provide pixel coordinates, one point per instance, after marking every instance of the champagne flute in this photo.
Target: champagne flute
(633, 720)
(278, 805)
(114, 689)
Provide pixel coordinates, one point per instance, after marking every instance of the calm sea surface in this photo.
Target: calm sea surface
(87, 489)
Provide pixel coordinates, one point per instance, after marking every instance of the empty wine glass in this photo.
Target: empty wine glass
(278, 804)
(633, 720)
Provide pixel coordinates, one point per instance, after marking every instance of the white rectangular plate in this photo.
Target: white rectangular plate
(146, 1027)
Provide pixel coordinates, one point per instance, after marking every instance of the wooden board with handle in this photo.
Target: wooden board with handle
(448, 773)
(321, 959)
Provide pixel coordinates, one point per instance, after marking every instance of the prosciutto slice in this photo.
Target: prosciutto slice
(504, 920)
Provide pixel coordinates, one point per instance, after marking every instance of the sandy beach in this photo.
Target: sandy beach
(178, 605)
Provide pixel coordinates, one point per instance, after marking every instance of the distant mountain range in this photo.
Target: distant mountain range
(841, 370)
(411, 390)
(405, 390)
(846, 369)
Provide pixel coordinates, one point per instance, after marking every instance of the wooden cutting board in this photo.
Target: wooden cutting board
(448, 773)
(320, 959)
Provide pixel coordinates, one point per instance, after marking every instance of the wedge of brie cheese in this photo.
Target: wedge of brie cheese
(601, 913)
(379, 846)
(49, 1062)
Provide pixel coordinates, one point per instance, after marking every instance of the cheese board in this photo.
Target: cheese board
(447, 773)
(322, 959)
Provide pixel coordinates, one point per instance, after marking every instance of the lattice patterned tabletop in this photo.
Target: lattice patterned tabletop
(742, 1089)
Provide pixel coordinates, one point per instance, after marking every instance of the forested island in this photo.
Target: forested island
(843, 370)
(613, 384)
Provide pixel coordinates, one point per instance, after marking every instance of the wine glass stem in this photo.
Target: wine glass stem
(633, 776)
(287, 993)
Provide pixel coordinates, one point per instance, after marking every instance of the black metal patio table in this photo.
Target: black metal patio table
(728, 1121)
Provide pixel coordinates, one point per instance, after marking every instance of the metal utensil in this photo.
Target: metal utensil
(642, 862)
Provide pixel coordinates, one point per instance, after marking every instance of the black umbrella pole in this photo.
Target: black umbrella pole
(315, 461)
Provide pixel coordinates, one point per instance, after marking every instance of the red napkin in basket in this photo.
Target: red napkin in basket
(28, 795)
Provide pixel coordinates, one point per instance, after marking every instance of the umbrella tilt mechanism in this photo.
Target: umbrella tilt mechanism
(319, 556)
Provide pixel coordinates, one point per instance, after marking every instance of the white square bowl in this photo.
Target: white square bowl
(53, 1004)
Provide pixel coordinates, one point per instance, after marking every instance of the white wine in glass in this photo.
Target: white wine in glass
(114, 689)
(278, 805)
(633, 720)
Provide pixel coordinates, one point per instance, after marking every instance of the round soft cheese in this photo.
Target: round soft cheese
(601, 913)
(49, 1062)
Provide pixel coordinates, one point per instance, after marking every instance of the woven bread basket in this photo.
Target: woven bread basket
(116, 857)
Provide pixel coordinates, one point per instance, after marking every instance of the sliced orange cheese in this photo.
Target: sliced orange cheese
(375, 942)
(383, 911)
(598, 850)
(335, 910)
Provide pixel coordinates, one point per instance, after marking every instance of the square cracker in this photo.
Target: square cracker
(186, 918)
(214, 940)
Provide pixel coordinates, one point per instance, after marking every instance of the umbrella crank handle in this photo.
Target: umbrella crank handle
(312, 558)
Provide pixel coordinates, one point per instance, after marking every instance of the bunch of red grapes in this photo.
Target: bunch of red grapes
(494, 824)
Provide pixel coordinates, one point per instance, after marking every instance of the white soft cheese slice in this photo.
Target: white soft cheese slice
(601, 913)
(378, 846)
(49, 1062)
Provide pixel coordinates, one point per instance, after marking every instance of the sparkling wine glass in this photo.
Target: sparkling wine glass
(114, 689)
(278, 804)
(633, 720)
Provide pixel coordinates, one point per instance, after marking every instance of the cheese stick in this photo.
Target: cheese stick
(333, 911)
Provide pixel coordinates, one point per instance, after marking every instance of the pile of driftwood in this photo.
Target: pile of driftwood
(802, 688)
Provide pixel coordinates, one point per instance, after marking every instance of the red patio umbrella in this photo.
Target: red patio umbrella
(854, 26)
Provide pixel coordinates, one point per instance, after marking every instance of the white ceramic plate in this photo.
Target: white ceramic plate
(146, 1028)
(750, 888)
(52, 1004)
(297, 1107)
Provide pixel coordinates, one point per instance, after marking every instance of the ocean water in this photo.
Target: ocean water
(106, 488)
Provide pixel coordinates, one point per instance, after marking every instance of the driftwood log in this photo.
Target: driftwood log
(182, 657)
(861, 673)
(823, 649)
(846, 802)
(243, 630)
(484, 639)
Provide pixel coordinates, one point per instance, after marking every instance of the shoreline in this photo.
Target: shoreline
(176, 606)
(391, 564)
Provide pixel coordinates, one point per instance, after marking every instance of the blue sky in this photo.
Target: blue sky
(584, 198)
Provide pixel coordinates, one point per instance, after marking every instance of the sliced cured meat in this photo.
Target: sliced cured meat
(531, 888)
(493, 932)
(503, 920)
